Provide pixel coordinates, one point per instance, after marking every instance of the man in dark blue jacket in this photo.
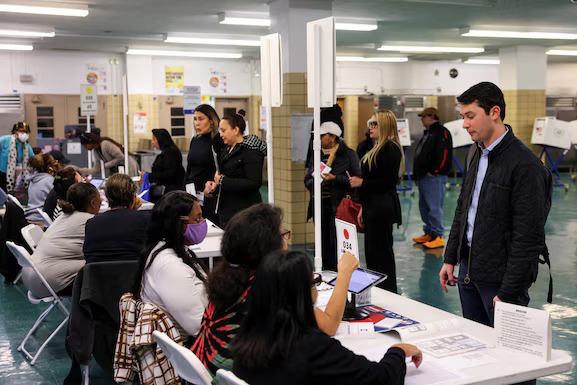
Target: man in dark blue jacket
(498, 232)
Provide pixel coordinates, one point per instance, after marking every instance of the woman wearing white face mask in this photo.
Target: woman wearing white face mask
(170, 275)
(14, 152)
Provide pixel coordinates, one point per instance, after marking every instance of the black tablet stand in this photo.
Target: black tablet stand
(351, 312)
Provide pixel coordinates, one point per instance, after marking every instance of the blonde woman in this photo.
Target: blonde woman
(380, 202)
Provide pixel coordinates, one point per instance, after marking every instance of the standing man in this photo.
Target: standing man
(432, 164)
(498, 232)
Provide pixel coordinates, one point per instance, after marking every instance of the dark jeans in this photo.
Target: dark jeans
(477, 301)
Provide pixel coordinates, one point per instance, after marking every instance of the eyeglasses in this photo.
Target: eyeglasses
(372, 124)
(286, 234)
(317, 280)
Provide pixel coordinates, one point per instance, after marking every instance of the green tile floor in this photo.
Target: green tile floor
(417, 272)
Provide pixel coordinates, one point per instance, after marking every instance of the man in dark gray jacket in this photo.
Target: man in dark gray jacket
(498, 231)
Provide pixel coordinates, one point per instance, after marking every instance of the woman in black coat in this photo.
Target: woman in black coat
(239, 177)
(378, 192)
(344, 162)
(167, 168)
(200, 163)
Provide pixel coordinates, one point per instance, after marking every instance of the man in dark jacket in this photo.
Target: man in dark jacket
(432, 164)
(498, 232)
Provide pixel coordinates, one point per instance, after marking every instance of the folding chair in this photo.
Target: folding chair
(185, 363)
(226, 377)
(32, 235)
(46, 217)
(15, 200)
(24, 260)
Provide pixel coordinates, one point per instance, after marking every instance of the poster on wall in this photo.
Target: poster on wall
(207, 99)
(174, 79)
(139, 122)
(218, 81)
(262, 118)
(192, 99)
(97, 75)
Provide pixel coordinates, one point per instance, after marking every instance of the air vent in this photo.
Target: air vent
(560, 102)
(414, 102)
(10, 103)
(387, 102)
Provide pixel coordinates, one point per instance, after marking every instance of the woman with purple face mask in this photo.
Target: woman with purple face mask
(171, 277)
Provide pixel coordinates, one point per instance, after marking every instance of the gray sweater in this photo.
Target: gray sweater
(40, 185)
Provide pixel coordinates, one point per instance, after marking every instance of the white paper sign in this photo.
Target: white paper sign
(404, 132)
(73, 148)
(88, 100)
(523, 329)
(346, 238)
(139, 122)
(192, 98)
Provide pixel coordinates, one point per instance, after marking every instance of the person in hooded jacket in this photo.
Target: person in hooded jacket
(239, 176)
(167, 169)
(40, 183)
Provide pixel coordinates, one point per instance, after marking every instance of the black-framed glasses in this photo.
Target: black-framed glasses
(286, 234)
(317, 280)
(372, 124)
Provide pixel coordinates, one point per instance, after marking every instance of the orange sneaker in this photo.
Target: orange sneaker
(423, 239)
(435, 243)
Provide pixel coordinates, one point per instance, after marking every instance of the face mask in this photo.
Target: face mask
(23, 137)
(196, 232)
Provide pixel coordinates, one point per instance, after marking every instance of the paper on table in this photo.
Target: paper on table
(324, 295)
(429, 373)
(358, 330)
(466, 360)
(389, 323)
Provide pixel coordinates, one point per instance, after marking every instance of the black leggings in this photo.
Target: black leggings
(379, 248)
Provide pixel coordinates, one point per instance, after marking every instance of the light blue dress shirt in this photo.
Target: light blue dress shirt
(483, 164)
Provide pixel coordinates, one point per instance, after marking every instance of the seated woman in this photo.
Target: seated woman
(170, 275)
(119, 233)
(62, 182)
(108, 151)
(167, 168)
(59, 256)
(280, 343)
(41, 181)
(240, 174)
(229, 283)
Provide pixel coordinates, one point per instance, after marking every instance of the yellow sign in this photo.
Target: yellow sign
(174, 79)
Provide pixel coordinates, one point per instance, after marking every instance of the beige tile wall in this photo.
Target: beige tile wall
(114, 116)
(523, 106)
(141, 103)
(290, 193)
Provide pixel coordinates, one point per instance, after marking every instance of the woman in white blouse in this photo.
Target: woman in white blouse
(171, 276)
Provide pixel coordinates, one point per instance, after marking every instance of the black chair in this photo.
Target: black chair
(94, 316)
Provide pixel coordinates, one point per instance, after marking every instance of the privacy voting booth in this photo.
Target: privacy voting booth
(272, 90)
(404, 132)
(321, 93)
(551, 132)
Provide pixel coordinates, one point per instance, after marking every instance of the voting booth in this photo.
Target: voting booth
(551, 132)
(461, 139)
(405, 139)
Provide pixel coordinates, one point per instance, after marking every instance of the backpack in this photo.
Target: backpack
(544, 256)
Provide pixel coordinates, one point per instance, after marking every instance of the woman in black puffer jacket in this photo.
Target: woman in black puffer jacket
(167, 169)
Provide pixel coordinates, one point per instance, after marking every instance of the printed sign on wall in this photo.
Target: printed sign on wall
(174, 79)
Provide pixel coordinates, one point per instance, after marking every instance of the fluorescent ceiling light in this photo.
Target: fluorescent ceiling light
(215, 55)
(239, 19)
(15, 47)
(12, 33)
(430, 49)
(482, 61)
(520, 35)
(372, 59)
(355, 27)
(53, 11)
(562, 52)
(210, 41)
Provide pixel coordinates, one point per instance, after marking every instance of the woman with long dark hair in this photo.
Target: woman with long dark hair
(250, 235)
(279, 341)
(239, 178)
(109, 151)
(200, 162)
(378, 190)
(167, 168)
(171, 276)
